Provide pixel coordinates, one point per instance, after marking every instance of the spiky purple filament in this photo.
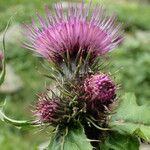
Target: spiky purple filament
(47, 110)
(77, 29)
(100, 88)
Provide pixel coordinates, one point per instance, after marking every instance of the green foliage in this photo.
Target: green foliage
(71, 139)
(19, 9)
(130, 118)
(17, 123)
(120, 142)
(129, 12)
(132, 62)
(24, 64)
(13, 141)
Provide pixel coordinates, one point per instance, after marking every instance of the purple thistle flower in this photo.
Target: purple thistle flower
(100, 88)
(47, 110)
(80, 28)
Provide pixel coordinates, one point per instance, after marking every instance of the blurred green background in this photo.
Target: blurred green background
(130, 63)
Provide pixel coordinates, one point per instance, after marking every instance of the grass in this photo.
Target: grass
(132, 56)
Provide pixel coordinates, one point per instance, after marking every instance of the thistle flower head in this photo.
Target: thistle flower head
(47, 109)
(80, 28)
(100, 88)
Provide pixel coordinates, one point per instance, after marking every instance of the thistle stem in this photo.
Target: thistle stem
(96, 126)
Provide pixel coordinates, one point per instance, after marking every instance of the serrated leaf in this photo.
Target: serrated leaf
(120, 142)
(130, 118)
(72, 139)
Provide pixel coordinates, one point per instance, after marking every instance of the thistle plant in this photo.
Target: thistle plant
(86, 112)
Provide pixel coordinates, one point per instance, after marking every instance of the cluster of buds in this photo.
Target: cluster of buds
(75, 39)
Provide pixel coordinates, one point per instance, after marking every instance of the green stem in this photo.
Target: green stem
(96, 126)
(17, 123)
(2, 75)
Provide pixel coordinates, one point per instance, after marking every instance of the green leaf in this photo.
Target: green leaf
(71, 139)
(120, 142)
(3, 72)
(130, 118)
(17, 123)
